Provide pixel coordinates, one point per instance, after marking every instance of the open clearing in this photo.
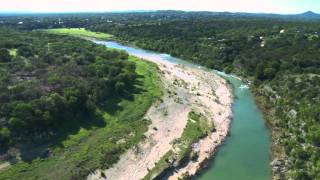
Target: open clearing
(80, 32)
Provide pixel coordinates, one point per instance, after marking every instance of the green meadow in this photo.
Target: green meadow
(80, 32)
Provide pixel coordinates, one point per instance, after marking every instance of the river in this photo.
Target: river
(245, 155)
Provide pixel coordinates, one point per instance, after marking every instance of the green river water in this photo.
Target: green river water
(245, 155)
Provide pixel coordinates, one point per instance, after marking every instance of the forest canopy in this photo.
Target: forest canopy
(49, 81)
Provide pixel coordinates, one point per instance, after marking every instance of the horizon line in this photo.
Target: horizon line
(137, 11)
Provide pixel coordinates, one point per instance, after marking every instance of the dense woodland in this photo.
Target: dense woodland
(49, 82)
(281, 56)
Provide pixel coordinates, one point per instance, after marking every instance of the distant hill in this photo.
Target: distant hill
(309, 14)
(306, 16)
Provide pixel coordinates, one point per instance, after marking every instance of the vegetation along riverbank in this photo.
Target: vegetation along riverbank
(189, 123)
(280, 56)
(75, 122)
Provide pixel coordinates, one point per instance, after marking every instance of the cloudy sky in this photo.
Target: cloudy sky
(266, 6)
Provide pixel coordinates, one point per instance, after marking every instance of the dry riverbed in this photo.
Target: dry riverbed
(187, 89)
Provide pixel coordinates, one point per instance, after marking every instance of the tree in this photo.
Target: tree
(270, 73)
(259, 72)
(22, 116)
(4, 135)
(25, 51)
(119, 87)
(4, 55)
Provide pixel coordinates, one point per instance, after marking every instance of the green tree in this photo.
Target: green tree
(269, 73)
(4, 135)
(22, 116)
(119, 87)
(259, 72)
(4, 55)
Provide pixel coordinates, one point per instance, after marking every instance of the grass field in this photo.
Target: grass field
(97, 147)
(80, 32)
(13, 52)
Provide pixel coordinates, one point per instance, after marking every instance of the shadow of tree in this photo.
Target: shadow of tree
(31, 150)
(39, 149)
(112, 106)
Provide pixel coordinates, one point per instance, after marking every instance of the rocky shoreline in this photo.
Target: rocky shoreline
(188, 88)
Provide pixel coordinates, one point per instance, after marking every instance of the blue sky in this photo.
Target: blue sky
(257, 6)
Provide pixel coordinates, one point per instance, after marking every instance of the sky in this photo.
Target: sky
(255, 6)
